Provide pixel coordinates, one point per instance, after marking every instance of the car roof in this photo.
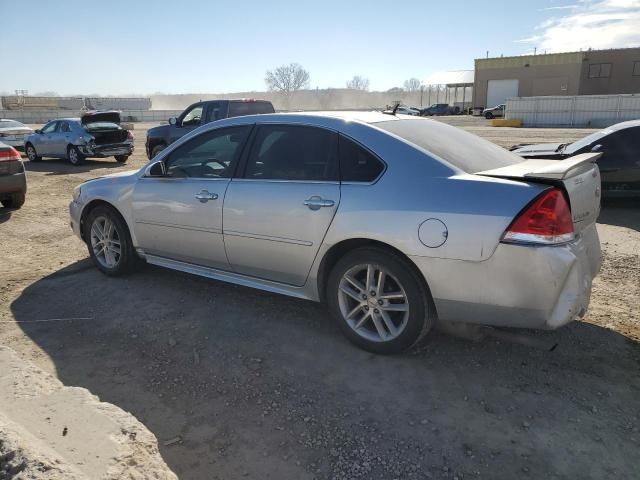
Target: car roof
(346, 115)
(623, 125)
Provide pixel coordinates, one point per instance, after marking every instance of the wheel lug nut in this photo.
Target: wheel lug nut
(373, 294)
(375, 310)
(380, 302)
(364, 297)
(366, 308)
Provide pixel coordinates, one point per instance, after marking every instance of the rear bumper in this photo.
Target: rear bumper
(18, 144)
(518, 286)
(111, 150)
(13, 183)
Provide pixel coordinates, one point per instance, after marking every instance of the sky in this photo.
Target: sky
(187, 46)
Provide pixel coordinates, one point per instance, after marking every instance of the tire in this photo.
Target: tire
(401, 279)
(488, 115)
(157, 149)
(15, 201)
(109, 262)
(74, 156)
(33, 156)
(121, 158)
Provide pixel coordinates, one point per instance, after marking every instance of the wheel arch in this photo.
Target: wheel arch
(96, 203)
(340, 249)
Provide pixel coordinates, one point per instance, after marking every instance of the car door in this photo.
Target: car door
(60, 138)
(277, 212)
(189, 120)
(179, 215)
(45, 139)
(620, 161)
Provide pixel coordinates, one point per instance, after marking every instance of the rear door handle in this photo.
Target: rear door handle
(204, 196)
(316, 202)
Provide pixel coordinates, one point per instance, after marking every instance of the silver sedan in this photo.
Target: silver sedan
(396, 222)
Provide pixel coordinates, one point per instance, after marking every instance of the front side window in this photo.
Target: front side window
(599, 70)
(291, 152)
(49, 127)
(356, 163)
(212, 154)
(64, 127)
(193, 116)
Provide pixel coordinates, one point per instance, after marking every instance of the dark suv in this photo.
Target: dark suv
(439, 109)
(158, 138)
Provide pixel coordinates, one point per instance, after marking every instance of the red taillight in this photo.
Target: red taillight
(130, 135)
(9, 154)
(546, 220)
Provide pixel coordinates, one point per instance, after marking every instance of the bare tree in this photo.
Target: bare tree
(412, 85)
(358, 83)
(287, 78)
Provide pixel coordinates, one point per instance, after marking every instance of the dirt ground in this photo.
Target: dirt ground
(239, 383)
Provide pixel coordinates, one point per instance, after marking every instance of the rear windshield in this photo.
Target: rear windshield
(461, 149)
(102, 126)
(237, 109)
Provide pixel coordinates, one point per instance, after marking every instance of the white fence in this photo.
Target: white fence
(42, 116)
(579, 111)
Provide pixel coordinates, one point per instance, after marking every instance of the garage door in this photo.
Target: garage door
(499, 90)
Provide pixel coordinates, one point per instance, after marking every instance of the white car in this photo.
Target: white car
(14, 133)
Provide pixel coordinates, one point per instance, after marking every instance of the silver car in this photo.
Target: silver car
(94, 135)
(395, 222)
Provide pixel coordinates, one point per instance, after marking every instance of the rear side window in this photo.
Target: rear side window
(237, 109)
(356, 163)
(461, 149)
(291, 152)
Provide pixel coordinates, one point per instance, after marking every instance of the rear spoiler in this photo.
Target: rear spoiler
(545, 169)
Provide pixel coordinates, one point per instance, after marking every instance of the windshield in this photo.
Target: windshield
(464, 150)
(588, 140)
(10, 124)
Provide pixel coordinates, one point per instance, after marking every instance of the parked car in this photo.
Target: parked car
(198, 114)
(13, 133)
(620, 161)
(13, 181)
(394, 221)
(497, 111)
(439, 109)
(94, 135)
(402, 110)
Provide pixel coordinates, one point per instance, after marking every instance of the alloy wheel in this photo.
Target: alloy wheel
(105, 242)
(73, 156)
(31, 153)
(373, 303)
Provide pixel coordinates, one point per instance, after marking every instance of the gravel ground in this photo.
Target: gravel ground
(238, 383)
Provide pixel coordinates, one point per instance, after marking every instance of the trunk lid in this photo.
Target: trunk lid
(94, 117)
(578, 175)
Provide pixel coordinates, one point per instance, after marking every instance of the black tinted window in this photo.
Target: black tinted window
(357, 164)
(64, 127)
(237, 109)
(212, 154)
(285, 152)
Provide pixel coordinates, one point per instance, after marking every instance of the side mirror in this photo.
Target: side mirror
(38, 131)
(596, 148)
(173, 121)
(156, 169)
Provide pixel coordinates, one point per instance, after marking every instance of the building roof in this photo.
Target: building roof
(541, 58)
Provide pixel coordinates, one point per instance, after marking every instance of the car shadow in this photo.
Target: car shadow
(265, 386)
(55, 166)
(621, 212)
(5, 214)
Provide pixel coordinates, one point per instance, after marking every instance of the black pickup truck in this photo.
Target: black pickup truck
(196, 115)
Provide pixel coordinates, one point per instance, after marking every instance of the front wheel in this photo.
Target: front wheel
(16, 200)
(109, 242)
(121, 158)
(32, 155)
(74, 155)
(488, 115)
(379, 301)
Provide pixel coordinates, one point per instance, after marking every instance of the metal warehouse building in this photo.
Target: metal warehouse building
(590, 72)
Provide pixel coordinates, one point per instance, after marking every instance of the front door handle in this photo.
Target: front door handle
(204, 196)
(316, 202)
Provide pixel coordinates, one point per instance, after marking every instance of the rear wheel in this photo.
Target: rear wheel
(157, 149)
(32, 155)
(121, 158)
(15, 201)
(74, 155)
(379, 301)
(109, 242)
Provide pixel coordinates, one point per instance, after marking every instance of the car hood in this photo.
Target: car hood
(93, 117)
(158, 131)
(547, 149)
